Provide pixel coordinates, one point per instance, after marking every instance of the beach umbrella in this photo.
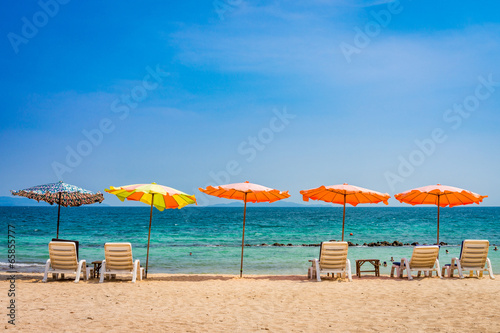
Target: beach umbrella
(62, 194)
(247, 192)
(345, 193)
(154, 195)
(441, 196)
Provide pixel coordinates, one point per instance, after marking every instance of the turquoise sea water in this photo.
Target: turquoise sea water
(213, 235)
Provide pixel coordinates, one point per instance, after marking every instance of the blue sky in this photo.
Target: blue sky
(383, 95)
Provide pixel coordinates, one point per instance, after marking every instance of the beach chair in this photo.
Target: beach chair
(424, 258)
(473, 257)
(119, 260)
(332, 259)
(62, 260)
(77, 244)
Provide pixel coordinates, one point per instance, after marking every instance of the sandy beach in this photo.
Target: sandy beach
(217, 303)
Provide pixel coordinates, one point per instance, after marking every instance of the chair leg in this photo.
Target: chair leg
(134, 272)
(438, 273)
(79, 271)
(85, 270)
(47, 266)
(406, 265)
(349, 274)
(103, 271)
(139, 272)
(460, 272)
(489, 268)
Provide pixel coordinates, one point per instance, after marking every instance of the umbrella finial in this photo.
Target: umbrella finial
(345, 184)
(246, 182)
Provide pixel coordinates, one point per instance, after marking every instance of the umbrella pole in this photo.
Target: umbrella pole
(58, 214)
(438, 222)
(243, 237)
(149, 233)
(343, 219)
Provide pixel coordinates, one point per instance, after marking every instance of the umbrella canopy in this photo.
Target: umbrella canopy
(345, 193)
(62, 194)
(441, 196)
(247, 192)
(154, 195)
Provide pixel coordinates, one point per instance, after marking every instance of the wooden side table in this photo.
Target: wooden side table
(97, 268)
(374, 262)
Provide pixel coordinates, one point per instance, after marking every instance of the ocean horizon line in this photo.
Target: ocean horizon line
(256, 205)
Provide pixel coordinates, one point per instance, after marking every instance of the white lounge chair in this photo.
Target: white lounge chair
(63, 259)
(332, 259)
(119, 260)
(424, 258)
(473, 257)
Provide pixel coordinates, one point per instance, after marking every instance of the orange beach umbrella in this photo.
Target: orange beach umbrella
(155, 195)
(247, 192)
(342, 194)
(441, 196)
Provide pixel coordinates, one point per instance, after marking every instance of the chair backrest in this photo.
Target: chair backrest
(424, 256)
(474, 253)
(118, 256)
(333, 255)
(63, 255)
(77, 244)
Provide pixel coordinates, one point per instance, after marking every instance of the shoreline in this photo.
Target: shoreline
(223, 303)
(157, 277)
(261, 260)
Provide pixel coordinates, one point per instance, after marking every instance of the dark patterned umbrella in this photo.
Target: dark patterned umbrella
(62, 194)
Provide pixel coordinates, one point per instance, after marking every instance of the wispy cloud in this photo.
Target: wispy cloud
(393, 56)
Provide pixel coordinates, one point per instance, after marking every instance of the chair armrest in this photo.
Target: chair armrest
(404, 262)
